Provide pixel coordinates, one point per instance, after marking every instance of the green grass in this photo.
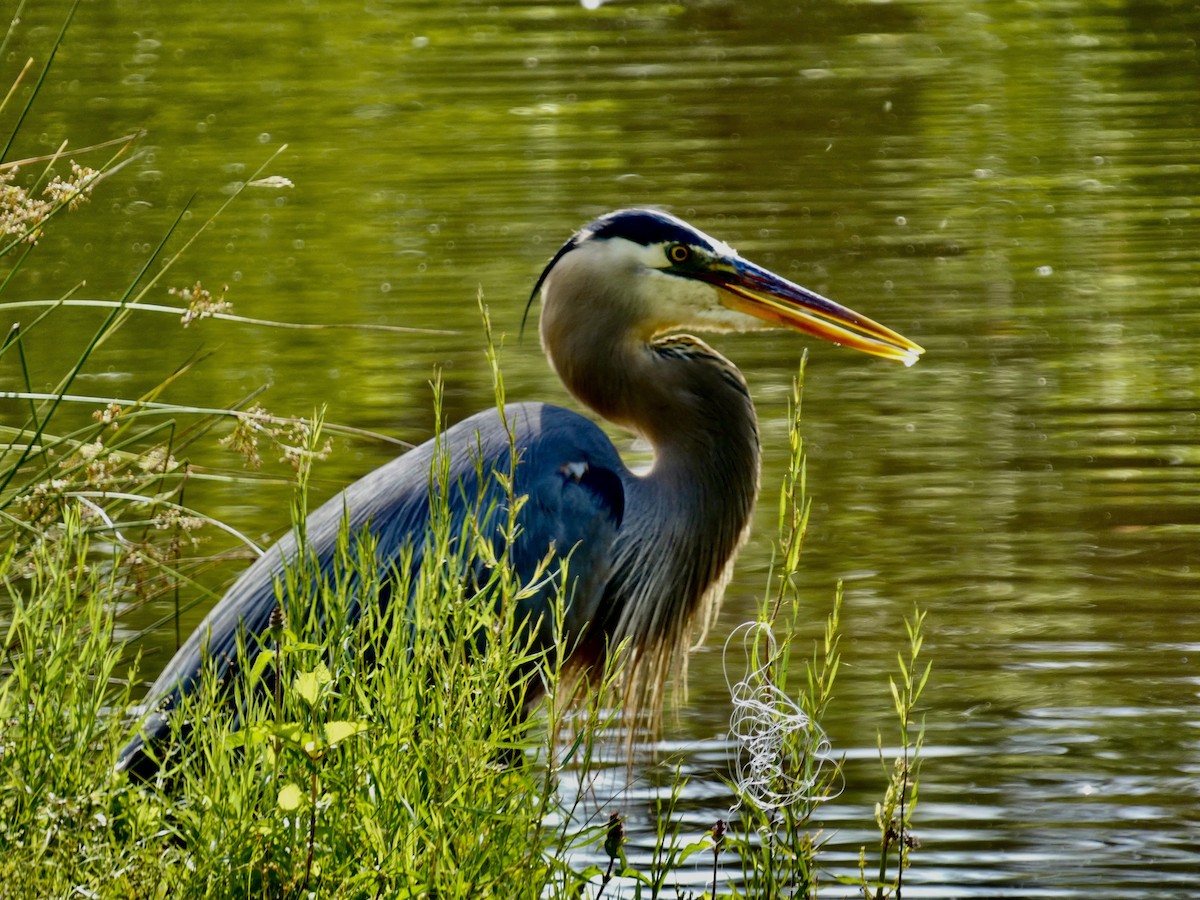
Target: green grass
(401, 775)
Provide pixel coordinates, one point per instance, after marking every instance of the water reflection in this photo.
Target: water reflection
(1014, 186)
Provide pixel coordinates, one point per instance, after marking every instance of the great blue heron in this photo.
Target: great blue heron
(649, 553)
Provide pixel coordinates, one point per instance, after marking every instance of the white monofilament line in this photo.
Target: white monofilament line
(772, 768)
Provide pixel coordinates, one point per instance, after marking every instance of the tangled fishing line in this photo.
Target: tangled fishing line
(780, 749)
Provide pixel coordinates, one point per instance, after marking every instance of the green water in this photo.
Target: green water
(1016, 186)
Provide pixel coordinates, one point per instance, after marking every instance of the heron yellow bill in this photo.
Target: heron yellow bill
(757, 292)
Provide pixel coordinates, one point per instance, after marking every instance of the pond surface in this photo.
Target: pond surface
(1015, 186)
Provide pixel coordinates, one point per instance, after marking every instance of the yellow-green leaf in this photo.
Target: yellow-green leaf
(336, 732)
(290, 797)
(308, 684)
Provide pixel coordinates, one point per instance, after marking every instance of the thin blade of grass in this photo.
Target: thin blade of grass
(41, 79)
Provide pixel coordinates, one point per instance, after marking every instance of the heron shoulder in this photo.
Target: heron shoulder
(565, 455)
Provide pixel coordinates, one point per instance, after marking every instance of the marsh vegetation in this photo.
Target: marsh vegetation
(395, 773)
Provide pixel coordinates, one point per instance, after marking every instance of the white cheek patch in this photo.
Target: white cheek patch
(690, 303)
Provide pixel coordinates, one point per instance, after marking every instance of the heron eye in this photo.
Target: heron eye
(678, 253)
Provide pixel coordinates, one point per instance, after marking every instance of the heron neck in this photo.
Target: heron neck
(695, 409)
(685, 398)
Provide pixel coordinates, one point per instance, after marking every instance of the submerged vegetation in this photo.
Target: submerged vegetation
(393, 774)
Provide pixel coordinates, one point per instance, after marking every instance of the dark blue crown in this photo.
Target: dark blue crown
(646, 227)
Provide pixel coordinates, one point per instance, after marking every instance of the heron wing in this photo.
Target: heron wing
(567, 470)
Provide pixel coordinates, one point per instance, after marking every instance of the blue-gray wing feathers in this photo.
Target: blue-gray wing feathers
(565, 466)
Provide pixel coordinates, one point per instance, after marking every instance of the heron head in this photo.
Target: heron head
(671, 276)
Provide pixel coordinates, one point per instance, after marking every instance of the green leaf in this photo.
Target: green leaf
(703, 843)
(288, 732)
(299, 647)
(290, 797)
(336, 732)
(308, 684)
(637, 876)
(264, 659)
(924, 679)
